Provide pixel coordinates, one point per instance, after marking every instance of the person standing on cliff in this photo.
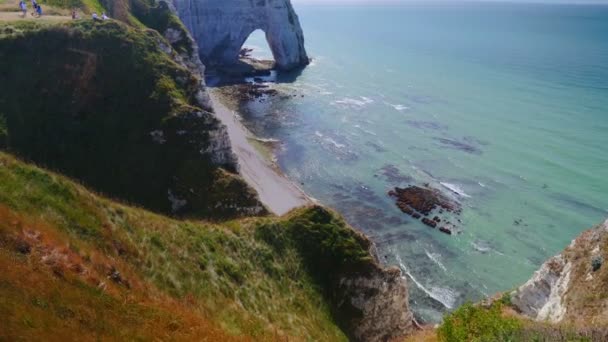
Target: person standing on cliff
(23, 7)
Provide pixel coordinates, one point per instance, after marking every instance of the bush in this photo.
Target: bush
(596, 262)
(476, 323)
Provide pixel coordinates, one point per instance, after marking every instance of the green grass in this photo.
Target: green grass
(232, 273)
(83, 98)
(499, 323)
(475, 323)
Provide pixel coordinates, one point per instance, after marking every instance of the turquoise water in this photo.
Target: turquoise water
(506, 104)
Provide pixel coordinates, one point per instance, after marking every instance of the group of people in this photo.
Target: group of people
(37, 9)
(97, 18)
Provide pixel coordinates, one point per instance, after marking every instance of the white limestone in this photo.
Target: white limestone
(221, 27)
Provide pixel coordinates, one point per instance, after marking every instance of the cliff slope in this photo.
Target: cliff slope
(76, 264)
(119, 109)
(123, 109)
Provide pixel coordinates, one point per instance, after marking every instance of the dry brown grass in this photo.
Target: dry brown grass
(49, 290)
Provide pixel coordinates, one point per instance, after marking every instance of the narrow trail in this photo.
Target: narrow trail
(16, 16)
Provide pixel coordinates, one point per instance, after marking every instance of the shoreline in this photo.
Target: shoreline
(279, 194)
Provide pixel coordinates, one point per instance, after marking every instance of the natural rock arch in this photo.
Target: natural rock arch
(221, 27)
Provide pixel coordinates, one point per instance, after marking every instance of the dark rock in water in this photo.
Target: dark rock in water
(258, 80)
(446, 230)
(395, 221)
(394, 238)
(418, 201)
(248, 92)
(426, 125)
(459, 145)
(423, 200)
(376, 147)
(429, 222)
(394, 176)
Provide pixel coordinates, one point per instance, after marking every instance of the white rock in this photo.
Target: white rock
(221, 27)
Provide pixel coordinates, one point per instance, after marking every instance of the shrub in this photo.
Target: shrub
(596, 263)
(476, 323)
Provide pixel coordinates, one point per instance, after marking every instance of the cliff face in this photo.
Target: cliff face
(122, 110)
(571, 287)
(376, 304)
(368, 301)
(222, 27)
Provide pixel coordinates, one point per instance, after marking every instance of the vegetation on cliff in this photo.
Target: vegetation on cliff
(102, 102)
(80, 263)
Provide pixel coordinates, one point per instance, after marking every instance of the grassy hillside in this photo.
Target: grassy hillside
(77, 264)
(103, 103)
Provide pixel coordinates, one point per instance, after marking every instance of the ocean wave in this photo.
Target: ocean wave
(398, 107)
(435, 257)
(445, 296)
(335, 143)
(366, 131)
(329, 140)
(267, 140)
(347, 101)
(455, 189)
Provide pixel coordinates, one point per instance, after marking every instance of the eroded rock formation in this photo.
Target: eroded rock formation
(378, 305)
(221, 28)
(572, 286)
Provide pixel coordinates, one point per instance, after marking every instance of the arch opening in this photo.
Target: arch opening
(255, 56)
(256, 46)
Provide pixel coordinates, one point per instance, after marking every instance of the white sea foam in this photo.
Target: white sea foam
(480, 248)
(398, 107)
(436, 257)
(445, 296)
(267, 140)
(319, 134)
(366, 131)
(335, 143)
(347, 101)
(455, 189)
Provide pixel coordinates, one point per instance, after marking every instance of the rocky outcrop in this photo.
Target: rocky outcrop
(184, 51)
(127, 119)
(377, 303)
(572, 286)
(222, 27)
(541, 297)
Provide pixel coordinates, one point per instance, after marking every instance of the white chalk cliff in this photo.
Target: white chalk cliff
(221, 27)
(571, 286)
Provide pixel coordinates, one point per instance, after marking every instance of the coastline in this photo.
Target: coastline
(279, 194)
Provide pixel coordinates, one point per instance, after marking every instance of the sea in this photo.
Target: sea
(503, 107)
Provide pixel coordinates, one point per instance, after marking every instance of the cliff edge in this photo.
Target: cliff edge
(572, 286)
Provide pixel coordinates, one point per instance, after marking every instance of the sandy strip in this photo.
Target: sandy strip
(278, 193)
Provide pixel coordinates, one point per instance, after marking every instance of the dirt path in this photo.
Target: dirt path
(16, 16)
